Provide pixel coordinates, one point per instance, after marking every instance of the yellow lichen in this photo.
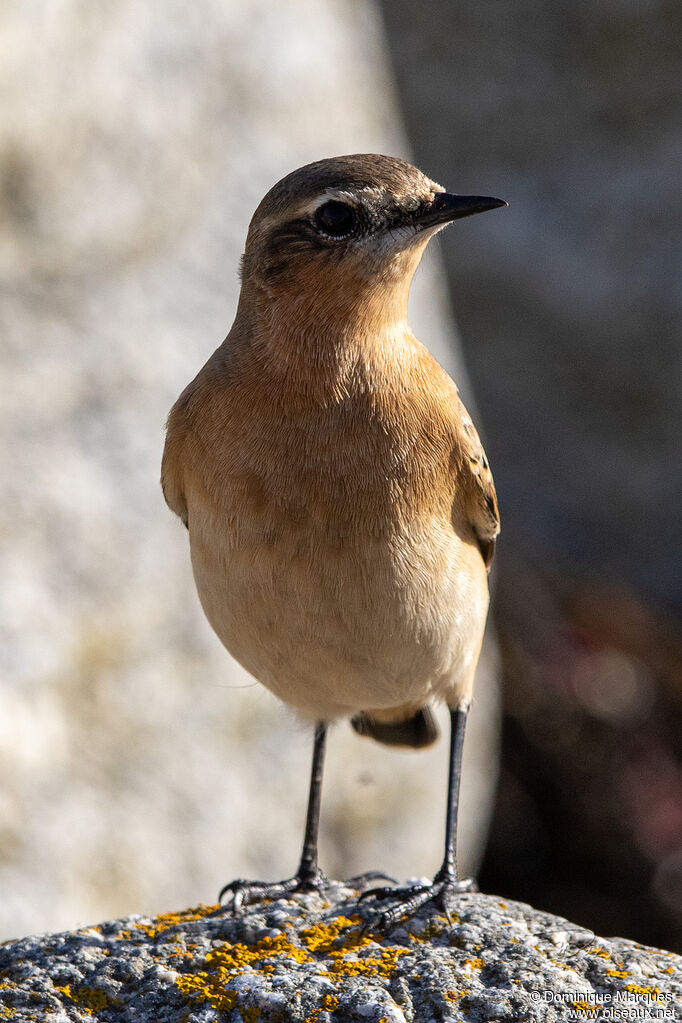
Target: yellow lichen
(322, 937)
(618, 973)
(559, 965)
(586, 1008)
(208, 988)
(330, 1003)
(91, 999)
(455, 996)
(475, 964)
(432, 929)
(230, 960)
(382, 965)
(330, 941)
(635, 989)
(597, 951)
(165, 921)
(338, 941)
(251, 1015)
(234, 958)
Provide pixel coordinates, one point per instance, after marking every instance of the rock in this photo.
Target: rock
(322, 959)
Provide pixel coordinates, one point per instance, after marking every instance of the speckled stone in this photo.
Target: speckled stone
(317, 959)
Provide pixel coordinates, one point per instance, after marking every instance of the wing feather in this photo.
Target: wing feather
(480, 499)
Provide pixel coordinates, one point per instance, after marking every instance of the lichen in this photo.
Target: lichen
(334, 944)
(166, 921)
(432, 929)
(210, 988)
(330, 1003)
(250, 1015)
(322, 937)
(648, 990)
(383, 965)
(329, 940)
(456, 996)
(586, 1008)
(90, 999)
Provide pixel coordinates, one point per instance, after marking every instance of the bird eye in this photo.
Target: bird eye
(335, 219)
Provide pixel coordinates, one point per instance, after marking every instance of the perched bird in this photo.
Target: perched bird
(341, 512)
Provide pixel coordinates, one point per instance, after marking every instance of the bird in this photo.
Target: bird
(341, 510)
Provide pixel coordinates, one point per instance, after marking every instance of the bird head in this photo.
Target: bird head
(342, 237)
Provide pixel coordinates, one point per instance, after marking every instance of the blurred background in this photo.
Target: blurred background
(140, 767)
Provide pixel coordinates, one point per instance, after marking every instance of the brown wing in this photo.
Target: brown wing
(173, 458)
(477, 480)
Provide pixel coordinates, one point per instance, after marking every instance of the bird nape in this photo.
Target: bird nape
(341, 509)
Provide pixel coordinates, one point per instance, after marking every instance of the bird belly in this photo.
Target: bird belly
(333, 624)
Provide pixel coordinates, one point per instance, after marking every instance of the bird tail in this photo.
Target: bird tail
(416, 731)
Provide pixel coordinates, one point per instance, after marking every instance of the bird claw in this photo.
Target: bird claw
(413, 897)
(245, 893)
(360, 881)
(382, 893)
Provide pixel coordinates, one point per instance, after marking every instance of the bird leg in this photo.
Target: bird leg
(308, 877)
(446, 883)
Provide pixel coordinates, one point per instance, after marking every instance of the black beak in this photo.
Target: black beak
(445, 206)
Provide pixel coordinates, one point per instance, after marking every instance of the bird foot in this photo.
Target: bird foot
(245, 893)
(408, 900)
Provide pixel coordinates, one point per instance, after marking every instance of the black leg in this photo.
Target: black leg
(308, 877)
(308, 869)
(458, 721)
(445, 883)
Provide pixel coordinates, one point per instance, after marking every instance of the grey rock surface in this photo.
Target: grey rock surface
(317, 959)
